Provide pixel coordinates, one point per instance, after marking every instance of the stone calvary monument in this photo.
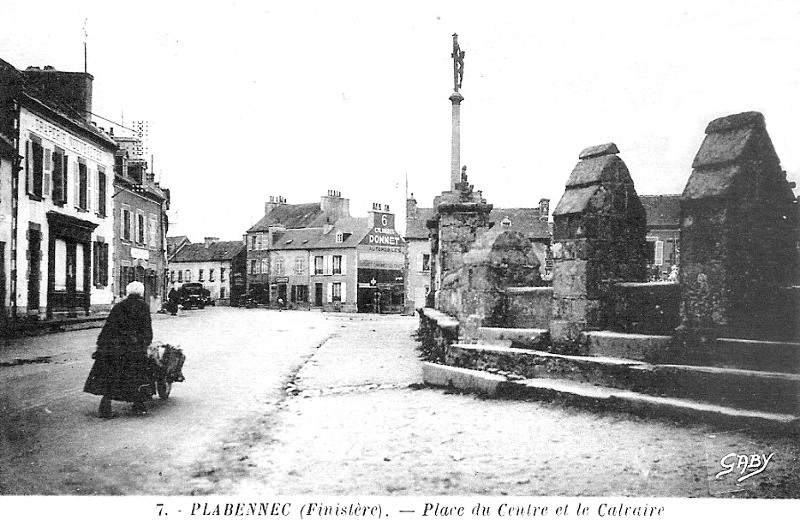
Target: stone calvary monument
(720, 344)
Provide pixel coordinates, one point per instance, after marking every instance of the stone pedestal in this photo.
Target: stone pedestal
(739, 222)
(598, 240)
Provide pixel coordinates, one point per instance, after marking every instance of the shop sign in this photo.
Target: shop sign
(140, 254)
(282, 279)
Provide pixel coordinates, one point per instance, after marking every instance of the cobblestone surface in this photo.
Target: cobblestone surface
(359, 423)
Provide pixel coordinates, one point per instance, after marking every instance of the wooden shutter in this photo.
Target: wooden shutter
(65, 179)
(90, 203)
(344, 264)
(344, 289)
(77, 184)
(28, 172)
(330, 292)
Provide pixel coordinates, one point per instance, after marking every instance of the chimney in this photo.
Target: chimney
(210, 240)
(274, 202)
(334, 206)
(411, 207)
(544, 209)
(73, 89)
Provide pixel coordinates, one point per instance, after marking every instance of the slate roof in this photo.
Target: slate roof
(292, 216)
(355, 229)
(416, 227)
(524, 220)
(663, 211)
(216, 252)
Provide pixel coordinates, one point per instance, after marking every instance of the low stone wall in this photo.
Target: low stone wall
(643, 308)
(528, 307)
(437, 331)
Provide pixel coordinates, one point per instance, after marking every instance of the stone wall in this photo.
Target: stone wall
(528, 307)
(644, 308)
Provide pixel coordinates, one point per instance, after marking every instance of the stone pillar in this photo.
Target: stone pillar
(738, 256)
(461, 215)
(598, 240)
(455, 148)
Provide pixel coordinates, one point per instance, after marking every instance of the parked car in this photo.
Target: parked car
(193, 294)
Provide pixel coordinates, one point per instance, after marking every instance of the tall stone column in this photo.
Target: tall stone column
(598, 240)
(455, 147)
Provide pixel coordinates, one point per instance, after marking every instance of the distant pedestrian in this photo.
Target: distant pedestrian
(280, 304)
(172, 301)
(122, 369)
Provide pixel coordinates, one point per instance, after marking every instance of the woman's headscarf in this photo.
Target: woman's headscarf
(136, 288)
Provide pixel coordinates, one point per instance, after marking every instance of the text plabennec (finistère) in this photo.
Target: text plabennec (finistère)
(285, 509)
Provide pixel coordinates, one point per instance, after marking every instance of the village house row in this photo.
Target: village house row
(317, 256)
(80, 214)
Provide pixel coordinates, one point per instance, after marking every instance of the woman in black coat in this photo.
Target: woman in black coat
(122, 371)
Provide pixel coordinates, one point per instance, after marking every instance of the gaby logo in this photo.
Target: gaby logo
(747, 465)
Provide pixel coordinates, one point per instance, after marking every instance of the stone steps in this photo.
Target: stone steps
(513, 337)
(775, 392)
(777, 356)
(605, 398)
(642, 347)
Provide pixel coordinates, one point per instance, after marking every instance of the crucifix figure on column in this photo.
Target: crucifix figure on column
(458, 63)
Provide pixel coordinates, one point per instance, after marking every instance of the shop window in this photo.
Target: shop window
(100, 264)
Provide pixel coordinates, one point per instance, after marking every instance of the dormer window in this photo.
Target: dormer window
(339, 237)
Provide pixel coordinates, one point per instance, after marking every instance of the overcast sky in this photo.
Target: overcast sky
(249, 99)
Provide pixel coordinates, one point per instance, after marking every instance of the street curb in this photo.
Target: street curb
(588, 396)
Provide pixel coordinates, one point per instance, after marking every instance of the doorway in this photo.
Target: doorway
(318, 294)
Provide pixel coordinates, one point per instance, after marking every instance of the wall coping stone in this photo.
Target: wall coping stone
(526, 290)
(598, 151)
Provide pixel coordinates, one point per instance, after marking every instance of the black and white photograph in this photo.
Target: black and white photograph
(315, 258)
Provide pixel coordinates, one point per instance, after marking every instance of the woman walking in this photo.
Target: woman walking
(122, 370)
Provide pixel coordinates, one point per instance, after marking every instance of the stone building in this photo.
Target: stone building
(140, 216)
(219, 266)
(10, 89)
(316, 256)
(61, 224)
(530, 222)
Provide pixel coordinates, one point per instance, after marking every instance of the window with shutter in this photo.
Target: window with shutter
(659, 260)
(59, 172)
(83, 187)
(76, 184)
(101, 192)
(36, 176)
